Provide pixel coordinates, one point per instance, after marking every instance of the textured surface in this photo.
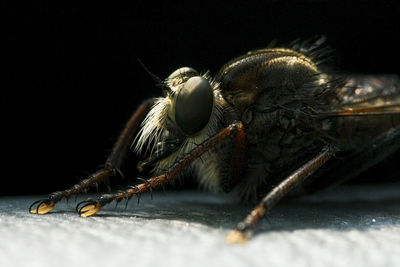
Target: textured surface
(347, 226)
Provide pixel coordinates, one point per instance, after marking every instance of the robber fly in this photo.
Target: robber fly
(267, 121)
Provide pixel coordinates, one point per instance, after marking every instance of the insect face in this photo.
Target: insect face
(191, 112)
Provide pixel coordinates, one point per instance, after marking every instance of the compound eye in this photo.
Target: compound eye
(194, 105)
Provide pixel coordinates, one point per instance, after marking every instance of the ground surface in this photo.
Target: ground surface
(347, 226)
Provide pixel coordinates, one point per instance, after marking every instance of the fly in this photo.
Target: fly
(267, 125)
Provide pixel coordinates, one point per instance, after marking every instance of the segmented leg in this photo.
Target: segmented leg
(111, 167)
(244, 228)
(91, 206)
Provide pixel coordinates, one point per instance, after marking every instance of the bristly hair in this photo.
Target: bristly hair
(152, 128)
(314, 48)
(321, 54)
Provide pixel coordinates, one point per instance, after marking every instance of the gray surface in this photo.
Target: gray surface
(347, 226)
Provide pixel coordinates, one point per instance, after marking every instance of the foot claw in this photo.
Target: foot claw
(236, 237)
(88, 208)
(43, 206)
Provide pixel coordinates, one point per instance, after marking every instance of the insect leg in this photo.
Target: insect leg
(111, 167)
(244, 228)
(93, 205)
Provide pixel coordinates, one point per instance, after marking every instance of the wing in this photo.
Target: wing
(364, 124)
(364, 95)
(362, 111)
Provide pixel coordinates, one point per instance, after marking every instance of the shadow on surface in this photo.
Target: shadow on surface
(326, 210)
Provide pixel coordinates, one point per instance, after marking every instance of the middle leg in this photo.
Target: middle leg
(244, 228)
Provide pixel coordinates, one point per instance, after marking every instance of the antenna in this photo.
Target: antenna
(159, 82)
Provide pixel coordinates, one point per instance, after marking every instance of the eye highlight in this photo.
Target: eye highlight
(193, 105)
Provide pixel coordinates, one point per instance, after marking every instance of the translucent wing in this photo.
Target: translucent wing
(364, 124)
(367, 96)
(364, 110)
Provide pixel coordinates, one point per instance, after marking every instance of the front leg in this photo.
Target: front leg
(244, 228)
(91, 206)
(111, 167)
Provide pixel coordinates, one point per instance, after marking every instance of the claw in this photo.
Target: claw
(43, 206)
(89, 208)
(236, 237)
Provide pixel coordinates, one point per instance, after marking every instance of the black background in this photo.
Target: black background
(72, 78)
